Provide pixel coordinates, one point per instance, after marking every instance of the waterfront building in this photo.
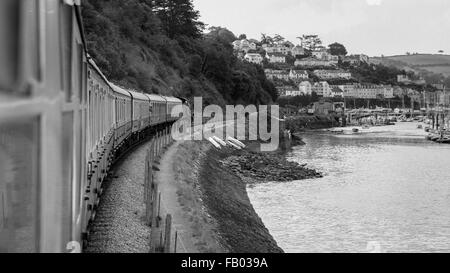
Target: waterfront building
(323, 108)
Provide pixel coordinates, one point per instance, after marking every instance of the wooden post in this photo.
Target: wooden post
(167, 234)
(175, 242)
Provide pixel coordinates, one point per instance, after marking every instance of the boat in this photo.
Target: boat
(435, 137)
(444, 140)
(355, 130)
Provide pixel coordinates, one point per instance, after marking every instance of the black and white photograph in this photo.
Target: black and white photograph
(191, 128)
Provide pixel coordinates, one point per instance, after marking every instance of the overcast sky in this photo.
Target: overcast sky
(373, 27)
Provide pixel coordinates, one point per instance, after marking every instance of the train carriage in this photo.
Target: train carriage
(62, 125)
(157, 106)
(172, 102)
(141, 111)
(42, 124)
(123, 118)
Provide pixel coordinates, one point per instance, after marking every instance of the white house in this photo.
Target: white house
(305, 87)
(276, 57)
(333, 74)
(253, 58)
(298, 75)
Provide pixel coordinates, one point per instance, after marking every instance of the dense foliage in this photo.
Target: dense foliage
(158, 46)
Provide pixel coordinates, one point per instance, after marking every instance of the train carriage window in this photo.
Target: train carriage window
(66, 45)
(19, 185)
(9, 43)
(79, 71)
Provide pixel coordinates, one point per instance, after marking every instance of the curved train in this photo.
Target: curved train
(62, 125)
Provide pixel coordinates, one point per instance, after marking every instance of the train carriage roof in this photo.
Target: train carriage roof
(97, 69)
(139, 96)
(173, 99)
(155, 98)
(119, 90)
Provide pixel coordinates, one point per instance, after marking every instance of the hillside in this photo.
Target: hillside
(421, 63)
(159, 47)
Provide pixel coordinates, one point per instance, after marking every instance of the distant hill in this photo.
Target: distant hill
(434, 63)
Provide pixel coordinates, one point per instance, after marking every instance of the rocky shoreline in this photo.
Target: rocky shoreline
(261, 167)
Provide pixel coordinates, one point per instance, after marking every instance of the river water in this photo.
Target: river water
(386, 189)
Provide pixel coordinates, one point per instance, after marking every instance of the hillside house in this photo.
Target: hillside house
(298, 51)
(297, 75)
(272, 74)
(322, 89)
(254, 58)
(333, 74)
(305, 88)
(276, 57)
(313, 62)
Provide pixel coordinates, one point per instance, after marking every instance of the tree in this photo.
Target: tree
(311, 42)
(337, 49)
(278, 39)
(178, 18)
(242, 37)
(266, 39)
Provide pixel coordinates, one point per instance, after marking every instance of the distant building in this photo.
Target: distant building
(276, 57)
(313, 62)
(356, 59)
(398, 91)
(244, 45)
(293, 93)
(298, 51)
(336, 92)
(372, 91)
(323, 108)
(322, 89)
(405, 79)
(288, 90)
(254, 58)
(438, 86)
(333, 74)
(388, 92)
(272, 74)
(297, 75)
(305, 87)
(276, 48)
